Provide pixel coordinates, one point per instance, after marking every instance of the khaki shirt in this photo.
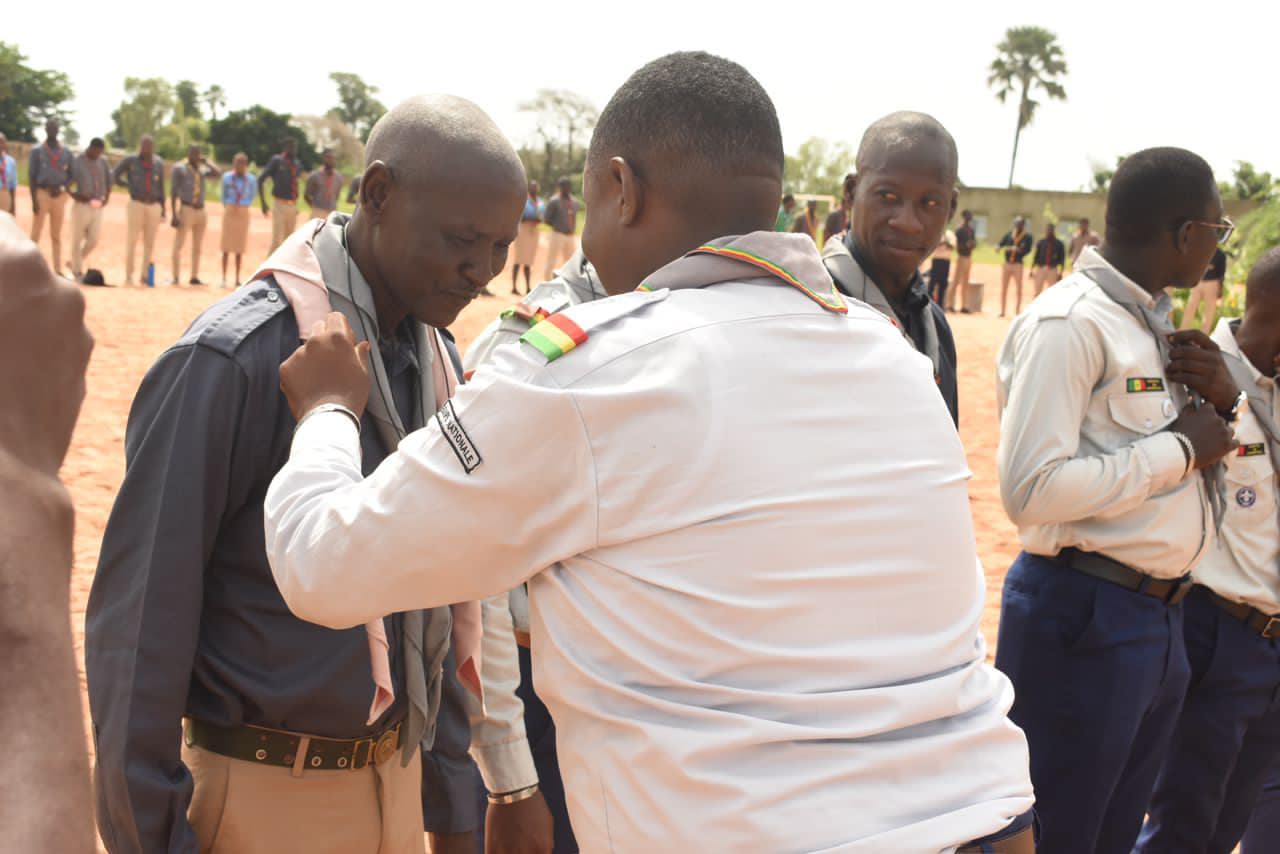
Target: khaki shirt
(1244, 564)
(1084, 456)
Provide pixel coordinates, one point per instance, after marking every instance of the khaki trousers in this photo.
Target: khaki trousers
(6, 200)
(963, 267)
(1045, 277)
(193, 220)
(86, 223)
(52, 208)
(143, 221)
(559, 250)
(284, 220)
(240, 807)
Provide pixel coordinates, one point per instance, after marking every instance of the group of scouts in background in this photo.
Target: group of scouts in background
(56, 174)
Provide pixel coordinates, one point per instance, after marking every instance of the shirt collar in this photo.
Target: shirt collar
(917, 296)
(1224, 335)
(1115, 284)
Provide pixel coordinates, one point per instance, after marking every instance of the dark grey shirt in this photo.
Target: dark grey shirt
(185, 619)
(144, 178)
(50, 168)
(284, 177)
(323, 188)
(562, 214)
(188, 184)
(92, 177)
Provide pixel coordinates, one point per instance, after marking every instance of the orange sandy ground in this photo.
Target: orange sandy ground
(132, 327)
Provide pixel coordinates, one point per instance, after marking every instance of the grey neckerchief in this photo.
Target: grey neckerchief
(426, 633)
(846, 270)
(581, 278)
(1157, 321)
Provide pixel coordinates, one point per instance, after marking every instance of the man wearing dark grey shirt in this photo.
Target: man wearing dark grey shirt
(143, 174)
(49, 173)
(188, 209)
(323, 187)
(282, 169)
(92, 175)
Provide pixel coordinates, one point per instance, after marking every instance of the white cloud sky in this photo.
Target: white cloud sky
(1141, 73)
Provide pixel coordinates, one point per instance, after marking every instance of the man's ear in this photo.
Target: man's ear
(375, 189)
(1182, 238)
(630, 190)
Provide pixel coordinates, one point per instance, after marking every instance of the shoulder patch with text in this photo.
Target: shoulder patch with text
(1257, 449)
(1137, 384)
(457, 438)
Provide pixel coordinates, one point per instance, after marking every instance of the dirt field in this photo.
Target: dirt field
(134, 325)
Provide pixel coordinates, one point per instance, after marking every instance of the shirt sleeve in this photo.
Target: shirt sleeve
(143, 617)
(423, 517)
(498, 739)
(1050, 372)
(453, 799)
(121, 170)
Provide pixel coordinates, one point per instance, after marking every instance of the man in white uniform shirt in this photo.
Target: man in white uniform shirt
(1108, 472)
(1229, 730)
(743, 642)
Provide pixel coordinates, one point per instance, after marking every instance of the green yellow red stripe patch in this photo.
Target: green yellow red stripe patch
(554, 336)
(831, 303)
(1139, 384)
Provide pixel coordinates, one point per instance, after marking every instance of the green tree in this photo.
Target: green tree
(148, 105)
(1029, 60)
(258, 132)
(28, 95)
(215, 98)
(818, 167)
(188, 96)
(1102, 175)
(358, 105)
(1248, 184)
(564, 120)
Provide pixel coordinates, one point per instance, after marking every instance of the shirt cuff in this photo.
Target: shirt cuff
(1166, 460)
(332, 431)
(506, 766)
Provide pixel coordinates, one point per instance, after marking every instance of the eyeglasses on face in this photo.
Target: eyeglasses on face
(1225, 228)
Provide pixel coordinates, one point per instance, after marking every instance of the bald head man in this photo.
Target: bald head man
(903, 194)
(318, 731)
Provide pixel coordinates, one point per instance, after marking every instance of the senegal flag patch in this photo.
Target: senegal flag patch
(554, 336)
(1137, 384)
(1257, 449)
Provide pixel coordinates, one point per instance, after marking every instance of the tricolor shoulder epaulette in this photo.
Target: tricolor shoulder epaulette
(554, 336)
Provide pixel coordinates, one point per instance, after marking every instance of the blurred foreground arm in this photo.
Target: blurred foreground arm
(44, 796)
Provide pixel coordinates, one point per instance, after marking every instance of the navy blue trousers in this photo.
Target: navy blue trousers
(1099, 673)
(541, 731)
(1263, 833)
(1227, 736)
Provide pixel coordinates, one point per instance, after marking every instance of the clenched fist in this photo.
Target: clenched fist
(330, 367)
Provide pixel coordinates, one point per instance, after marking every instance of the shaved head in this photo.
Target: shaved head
(907, 131)
(430, 137)
(440, 204)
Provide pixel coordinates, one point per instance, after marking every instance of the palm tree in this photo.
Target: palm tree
(216, 98)
(1029, 58)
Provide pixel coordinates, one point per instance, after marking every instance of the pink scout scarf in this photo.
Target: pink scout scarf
(297, 272)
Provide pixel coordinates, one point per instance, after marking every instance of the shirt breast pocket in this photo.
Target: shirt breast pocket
(1141, 414)
(1250, 487)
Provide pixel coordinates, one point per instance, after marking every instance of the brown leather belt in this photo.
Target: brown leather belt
(1022, 842)
(1262, 623)
(292, 749)
(1171, 591)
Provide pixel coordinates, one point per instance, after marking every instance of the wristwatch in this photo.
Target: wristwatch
(1232, 415)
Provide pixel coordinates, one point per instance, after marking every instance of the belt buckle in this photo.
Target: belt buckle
(1180, 591)
(385, 747)
(1272, 628)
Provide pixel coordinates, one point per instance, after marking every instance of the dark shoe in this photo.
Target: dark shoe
(195, 281)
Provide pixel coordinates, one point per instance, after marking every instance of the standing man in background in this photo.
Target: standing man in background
(1204, 296)
(188, 188)
(1050, 258)
(787, 214)
(8, 178)
(966, 242)
(239, 187)
(143, 174)
(323, 187)
(562, 215)
(838, 219)
(92, 175)
(940, 270)
(1016, 244)
(807, 222)
(1107, 469)
(282, 170)
(48, 174)
(1083, 239)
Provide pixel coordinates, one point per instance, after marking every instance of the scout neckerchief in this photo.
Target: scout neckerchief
(293, 176)
(1246, 377)
(54, 156)
(241, 183)
(197, 186)
(839, 260)
(1157, 322)
(147, 165)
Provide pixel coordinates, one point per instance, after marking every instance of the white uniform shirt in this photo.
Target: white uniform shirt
(745, 637)
(1085, 459)
(1244, 564)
